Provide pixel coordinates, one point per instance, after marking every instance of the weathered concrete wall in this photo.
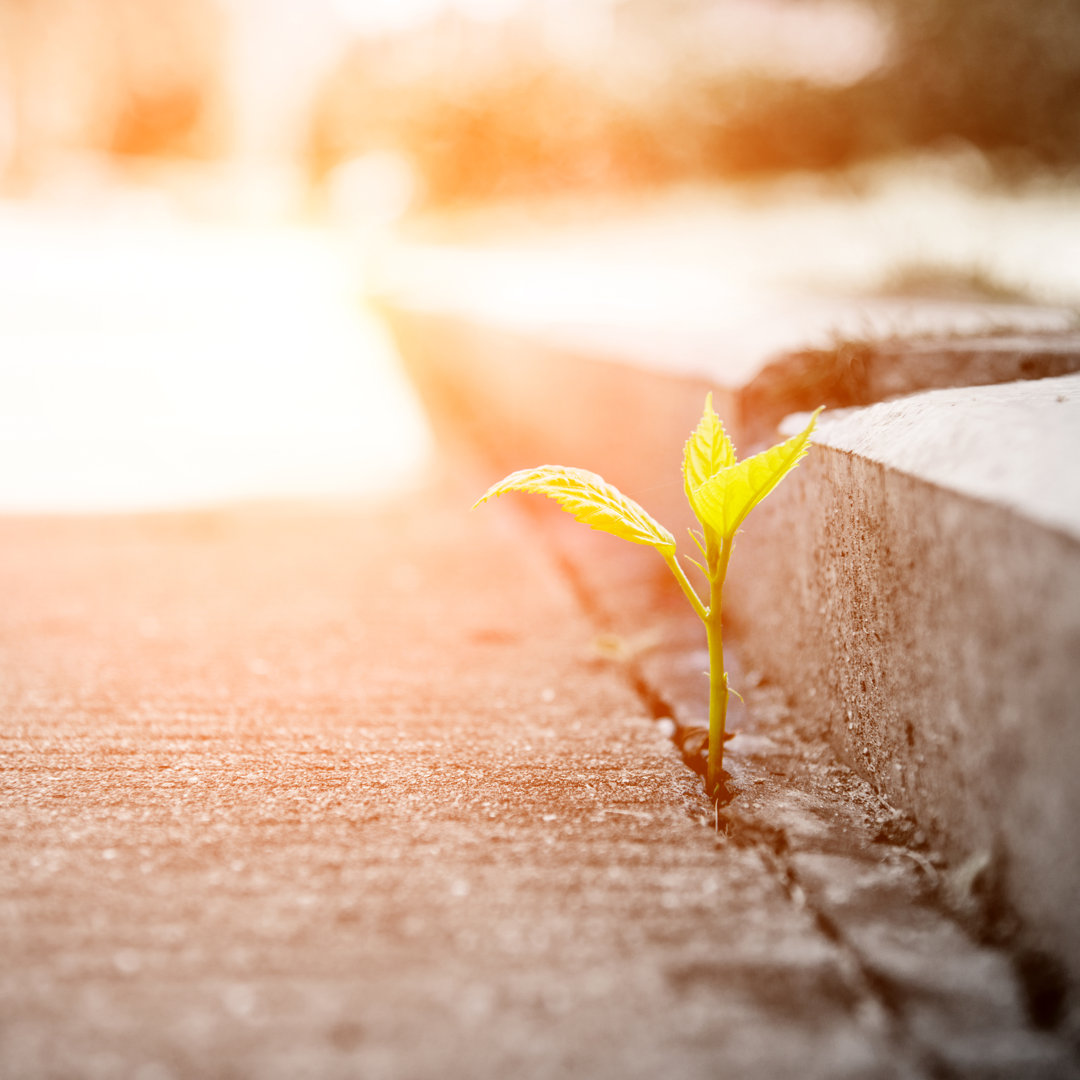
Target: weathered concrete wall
(932, 630)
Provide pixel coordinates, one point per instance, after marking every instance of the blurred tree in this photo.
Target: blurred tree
(131, 77)
(1002, 75)
(485, 111)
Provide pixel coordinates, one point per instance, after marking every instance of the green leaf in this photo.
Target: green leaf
(591, 500)
(707, 451)
(723, 501)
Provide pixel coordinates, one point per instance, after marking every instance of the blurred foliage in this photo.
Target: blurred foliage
(129, 78)
(1001, 76)
(532, 129)
(485, 111)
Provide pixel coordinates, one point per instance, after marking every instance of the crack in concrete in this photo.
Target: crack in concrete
(880, 1000)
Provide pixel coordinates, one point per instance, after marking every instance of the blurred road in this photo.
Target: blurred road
(145, 362)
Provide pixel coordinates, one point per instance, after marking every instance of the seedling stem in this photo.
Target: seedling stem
(719, 554)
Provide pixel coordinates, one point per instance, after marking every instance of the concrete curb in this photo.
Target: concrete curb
(928, 619)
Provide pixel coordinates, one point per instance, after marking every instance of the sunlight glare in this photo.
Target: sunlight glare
(171, 367)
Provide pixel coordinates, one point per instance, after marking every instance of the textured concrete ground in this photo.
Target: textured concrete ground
(355, 793)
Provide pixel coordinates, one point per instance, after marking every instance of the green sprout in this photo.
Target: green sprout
(721, 491)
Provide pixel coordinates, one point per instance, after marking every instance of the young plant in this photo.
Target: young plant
(721, 491)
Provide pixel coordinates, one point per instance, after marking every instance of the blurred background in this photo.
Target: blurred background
(194, 195)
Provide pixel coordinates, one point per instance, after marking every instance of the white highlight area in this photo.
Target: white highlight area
(389, 16)
(161, 366)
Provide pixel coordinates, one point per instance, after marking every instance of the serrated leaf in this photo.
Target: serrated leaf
(723, 501)
(591, 500)
(707, 451)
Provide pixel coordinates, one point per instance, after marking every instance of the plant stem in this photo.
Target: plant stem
(718, 699)
(687, 588)
(717, 555)
(718, 681)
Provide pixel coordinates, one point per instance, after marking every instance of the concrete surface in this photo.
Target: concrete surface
(356, 792)
(1013, 444)
(928, 618)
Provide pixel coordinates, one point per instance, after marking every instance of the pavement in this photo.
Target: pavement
(377, 790)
